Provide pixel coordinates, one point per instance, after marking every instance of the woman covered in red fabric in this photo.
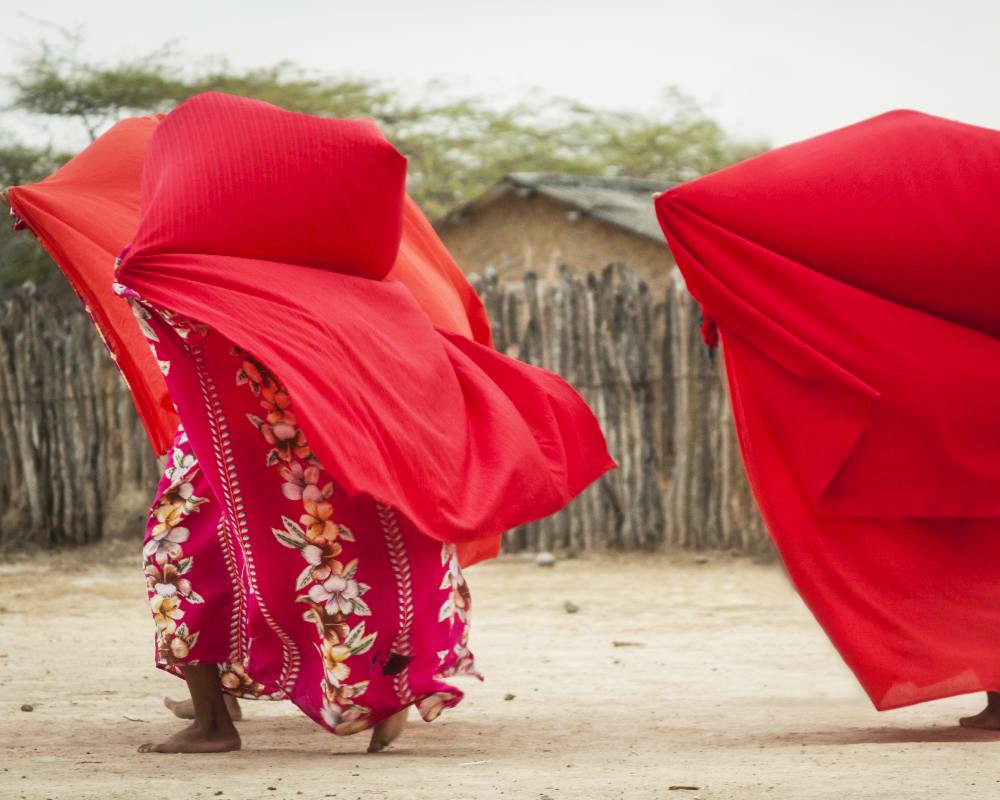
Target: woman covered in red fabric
(337, 449)
(88, 210)
(853, 280)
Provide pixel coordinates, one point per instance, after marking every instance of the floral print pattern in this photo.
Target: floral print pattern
(281, 624)
(167, 568)
(456, 609)
(459, 598)
(234, 678)
(328, 583)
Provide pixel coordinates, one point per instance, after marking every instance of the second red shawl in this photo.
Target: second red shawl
(854, 279)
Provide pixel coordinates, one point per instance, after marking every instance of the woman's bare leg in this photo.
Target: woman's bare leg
(184, 709)
(387, 731)
(988, 718)
(212, 730)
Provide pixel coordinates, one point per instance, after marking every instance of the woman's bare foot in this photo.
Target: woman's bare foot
(989, 718)
(195, 739)
(387, 731)
(212, 730)
(184, 709)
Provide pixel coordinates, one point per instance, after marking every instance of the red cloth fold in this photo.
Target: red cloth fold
(277, 229)
(83, 214)
(853, 281)
(86, 212)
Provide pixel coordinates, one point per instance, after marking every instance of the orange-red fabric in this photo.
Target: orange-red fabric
(463, 441)
(425, 267)
(83, 214)
(854, 279)
(86, 212)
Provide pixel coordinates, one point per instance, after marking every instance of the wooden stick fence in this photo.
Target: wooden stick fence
(74, 462)
(74, 459)
(639, 361)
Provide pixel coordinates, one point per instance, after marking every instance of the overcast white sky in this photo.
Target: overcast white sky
(774, 69)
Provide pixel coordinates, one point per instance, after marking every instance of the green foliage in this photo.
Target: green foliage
(55, 82)
(457, 147)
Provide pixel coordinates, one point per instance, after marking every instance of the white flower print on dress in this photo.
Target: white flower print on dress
(336, 593)
(165, 543)
(330, 586)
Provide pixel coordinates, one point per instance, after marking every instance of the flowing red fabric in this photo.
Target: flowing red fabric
(83, 214)
(854, 279)
(86, 212)
(279, 230)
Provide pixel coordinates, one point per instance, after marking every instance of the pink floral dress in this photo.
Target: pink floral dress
(258, 562)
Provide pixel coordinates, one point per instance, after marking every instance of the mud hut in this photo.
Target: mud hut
(537, 221)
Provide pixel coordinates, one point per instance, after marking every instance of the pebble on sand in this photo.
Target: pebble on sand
(27, 707)
(545, 559)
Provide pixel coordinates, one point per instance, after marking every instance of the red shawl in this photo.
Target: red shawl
(83, 214)
(87, 211)
(279, 230)
(854, 279)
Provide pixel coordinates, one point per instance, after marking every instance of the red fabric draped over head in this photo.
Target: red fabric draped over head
(284, 188)
(853, 279)
(86, 212)
(463, 441)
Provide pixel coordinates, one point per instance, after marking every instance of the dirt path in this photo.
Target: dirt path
(726, 684)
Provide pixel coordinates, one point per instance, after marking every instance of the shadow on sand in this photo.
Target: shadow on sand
(841, 737)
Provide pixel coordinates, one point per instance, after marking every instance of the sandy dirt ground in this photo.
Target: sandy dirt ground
(720, 686)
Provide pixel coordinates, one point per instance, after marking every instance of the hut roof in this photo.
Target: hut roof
(625, 202)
